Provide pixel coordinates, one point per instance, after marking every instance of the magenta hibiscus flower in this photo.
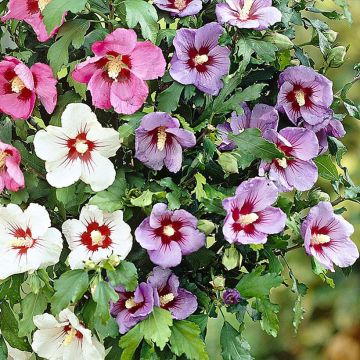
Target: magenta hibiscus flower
(262, 117)
(199, 60)
(168, 295)
(327, 237)
(249, 14)
(11, 177)
(168, 235)
(305, 96)
(296, 169)
(30, 11)
(132, 306)
(250, 216)
(117, 75)
(159, 141)
(20, 86)
(180, 8)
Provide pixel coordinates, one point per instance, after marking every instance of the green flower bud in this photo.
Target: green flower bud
(218, 283)
(330, 35)
(206, 226)
(231, 258)
(114, 260)
(336, 56)
(89, 265)
(228, 163)
(282, 42)
(316, 196)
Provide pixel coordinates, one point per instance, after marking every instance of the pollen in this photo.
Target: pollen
(245, 10)
(300, 97)
(201, 59)
(168, 230)
(180, 4)
(81, 146)
(22, 242)
(318, 239)
(161, 138)
(17, 85)
(97, 238)
(282, 163)
(247, 219)
(42, 4)
(69, 337)
(3, 156)
(130, 303)
(165, 299)
(114, 66)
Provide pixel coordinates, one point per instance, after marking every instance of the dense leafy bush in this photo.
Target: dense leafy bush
(158, 160)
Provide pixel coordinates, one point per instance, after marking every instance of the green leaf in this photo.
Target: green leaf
(145, 199)
(269, 320)
(300, 290)
(234, 347)
(251, 146)
(326, 168)
(70, 287)
(156, 327)
(257, 285)
(111, 199)
(228, 163)
(142, 13)
(185, 339)
(337, 148)
(199, 188)
(9, 328)
(54, 11)
(72, 32)
(168, 100)
(10, 288)
(130, 342)
(125, 274)
(3, 349)
(31, 305)
(102, 296)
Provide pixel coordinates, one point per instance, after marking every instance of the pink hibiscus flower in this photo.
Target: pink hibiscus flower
(21, 86)
(117, 75)
(31, 11)
(11, 177)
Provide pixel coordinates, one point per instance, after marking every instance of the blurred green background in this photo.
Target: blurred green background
(331, 327)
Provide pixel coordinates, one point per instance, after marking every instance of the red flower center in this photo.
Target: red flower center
(319, 237)
(199, 60)
(300, 96)
(244, 218)
(169, 231)
(80, 147)
(70, 334)
(3, 156)
(96, 236)
(117, 66)
(22, 240)
(180, 4)
(130, 304)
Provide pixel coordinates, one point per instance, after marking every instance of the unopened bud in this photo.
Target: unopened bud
(330, 35)
(336, 56)
(206, 226)
(316, 196)
(114, 260)
(231, 258)
(282, 42)
(218, 283)
(89, 265)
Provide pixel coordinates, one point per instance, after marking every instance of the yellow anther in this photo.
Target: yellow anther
(165, 299)
(161, 138)
(168, 230)
(247, 219)
(81, 146)
(318, 239)
(17, 85)
(282, 163)
(201, 59)
(300, 97)
(97, 238)
(130, 303)
(69, 337)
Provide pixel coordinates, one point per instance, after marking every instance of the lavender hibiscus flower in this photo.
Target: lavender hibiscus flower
(231, 297)
(159, 141)
(180, 8)
(168, 235)
(132, 306)
(168, 295)
(335, 129)
(250, 216)
(199, 60)
(305, 96)
(296, 169)
(249, 14)
(263, 117)
(327, 237)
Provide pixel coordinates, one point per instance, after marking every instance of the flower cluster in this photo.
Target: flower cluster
(126, 147)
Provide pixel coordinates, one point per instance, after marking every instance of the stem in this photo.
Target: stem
(297, 246)
(352, 82)
(338, 201)
(111, 16)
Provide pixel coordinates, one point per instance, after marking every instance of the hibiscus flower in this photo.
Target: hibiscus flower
(180, 8)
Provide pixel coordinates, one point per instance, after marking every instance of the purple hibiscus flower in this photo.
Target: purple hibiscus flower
(159, 141)
(168, 235)
(249, 14)
(199, 60)
(132, 306)
(335, 129)
(168, 295)
(327, 237)
(180, 8)
(263, 117)
(296, 169)
(231, 297)
(305, 96)
(250, 216)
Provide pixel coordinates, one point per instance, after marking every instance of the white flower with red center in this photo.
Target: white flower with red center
(65, 339)
(96, 236)
(28, 242)
(80, 149)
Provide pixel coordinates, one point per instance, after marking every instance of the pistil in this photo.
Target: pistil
(247, 219)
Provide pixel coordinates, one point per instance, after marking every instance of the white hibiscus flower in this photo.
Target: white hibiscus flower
(66, 339)
(28, 242)
(79, 149)
(96, 236)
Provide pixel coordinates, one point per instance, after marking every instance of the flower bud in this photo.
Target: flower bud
(228, 163)
(231, 258)
(282, 42)
(330, 35)
(218, 283)
(316, 196)
(206, 226)
(114, 260)
(336, 56)
(231, 297)
(90, 265)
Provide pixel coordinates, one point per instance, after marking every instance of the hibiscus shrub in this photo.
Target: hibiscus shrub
(158, 160)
